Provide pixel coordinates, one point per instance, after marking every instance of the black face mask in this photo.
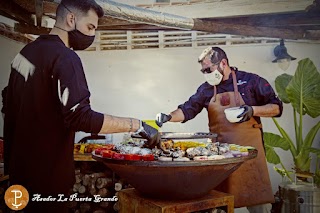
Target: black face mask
(78, 40)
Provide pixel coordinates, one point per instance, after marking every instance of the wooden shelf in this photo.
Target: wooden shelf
(131, 201)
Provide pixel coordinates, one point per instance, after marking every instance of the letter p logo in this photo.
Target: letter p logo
(16, 197)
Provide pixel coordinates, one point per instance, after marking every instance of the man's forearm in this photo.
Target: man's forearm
(268, 110)
(177, 116)
(113, 124)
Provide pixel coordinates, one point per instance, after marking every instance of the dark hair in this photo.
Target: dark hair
(218, 55)
(82, 6)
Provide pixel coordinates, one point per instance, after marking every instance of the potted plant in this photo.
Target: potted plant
(302, 91)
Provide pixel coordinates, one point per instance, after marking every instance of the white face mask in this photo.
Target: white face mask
(213, 78)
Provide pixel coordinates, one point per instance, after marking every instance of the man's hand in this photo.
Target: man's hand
(246, 114)
(161, 118)
(151, 134)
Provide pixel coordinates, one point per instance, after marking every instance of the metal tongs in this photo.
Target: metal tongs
(181, 135)
(165, 136)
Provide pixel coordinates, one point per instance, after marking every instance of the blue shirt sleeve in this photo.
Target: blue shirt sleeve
(194, 105)
(264, 94)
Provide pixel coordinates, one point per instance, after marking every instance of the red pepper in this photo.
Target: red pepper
(148, 157)
(108, 146)
(132, 157)
(107, 153)
(118, 156)
(98, 151)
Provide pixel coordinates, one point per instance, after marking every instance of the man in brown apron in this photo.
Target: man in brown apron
(227, 87)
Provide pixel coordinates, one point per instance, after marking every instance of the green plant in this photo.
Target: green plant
(302, 91)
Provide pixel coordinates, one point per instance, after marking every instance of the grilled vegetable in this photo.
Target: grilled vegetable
(184, 145)
(118, 156)
(132, 157)
(107, 153)
(148, 157)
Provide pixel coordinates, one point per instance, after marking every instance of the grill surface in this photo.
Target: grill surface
(175, 180)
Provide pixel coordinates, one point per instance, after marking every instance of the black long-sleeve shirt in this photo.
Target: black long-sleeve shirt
(3, 94)
(47, 102)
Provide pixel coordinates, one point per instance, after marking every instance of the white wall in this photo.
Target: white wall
(141, 83)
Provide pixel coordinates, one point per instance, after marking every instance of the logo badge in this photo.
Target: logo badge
(16, 197)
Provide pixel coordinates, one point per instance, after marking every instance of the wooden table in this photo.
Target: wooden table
(130, 201)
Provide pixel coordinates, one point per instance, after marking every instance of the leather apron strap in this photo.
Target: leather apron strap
(214, 93)
(235, 88)
(250, 184)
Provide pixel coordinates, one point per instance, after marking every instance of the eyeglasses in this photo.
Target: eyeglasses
(208, 69)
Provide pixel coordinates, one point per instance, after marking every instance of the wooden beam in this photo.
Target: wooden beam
(303, 28)
(110, 21)
(49, 7)
(15, 11)
(7, 16)
(28, 5)
(31, 29)
(246, 30)
(235, 8)
(291, 26)
(273, 20)
(11, 34)
(287, 26)
(133, 27)
(313, 34)
(39, 11)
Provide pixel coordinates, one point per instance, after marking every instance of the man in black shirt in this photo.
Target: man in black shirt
(48, 101)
